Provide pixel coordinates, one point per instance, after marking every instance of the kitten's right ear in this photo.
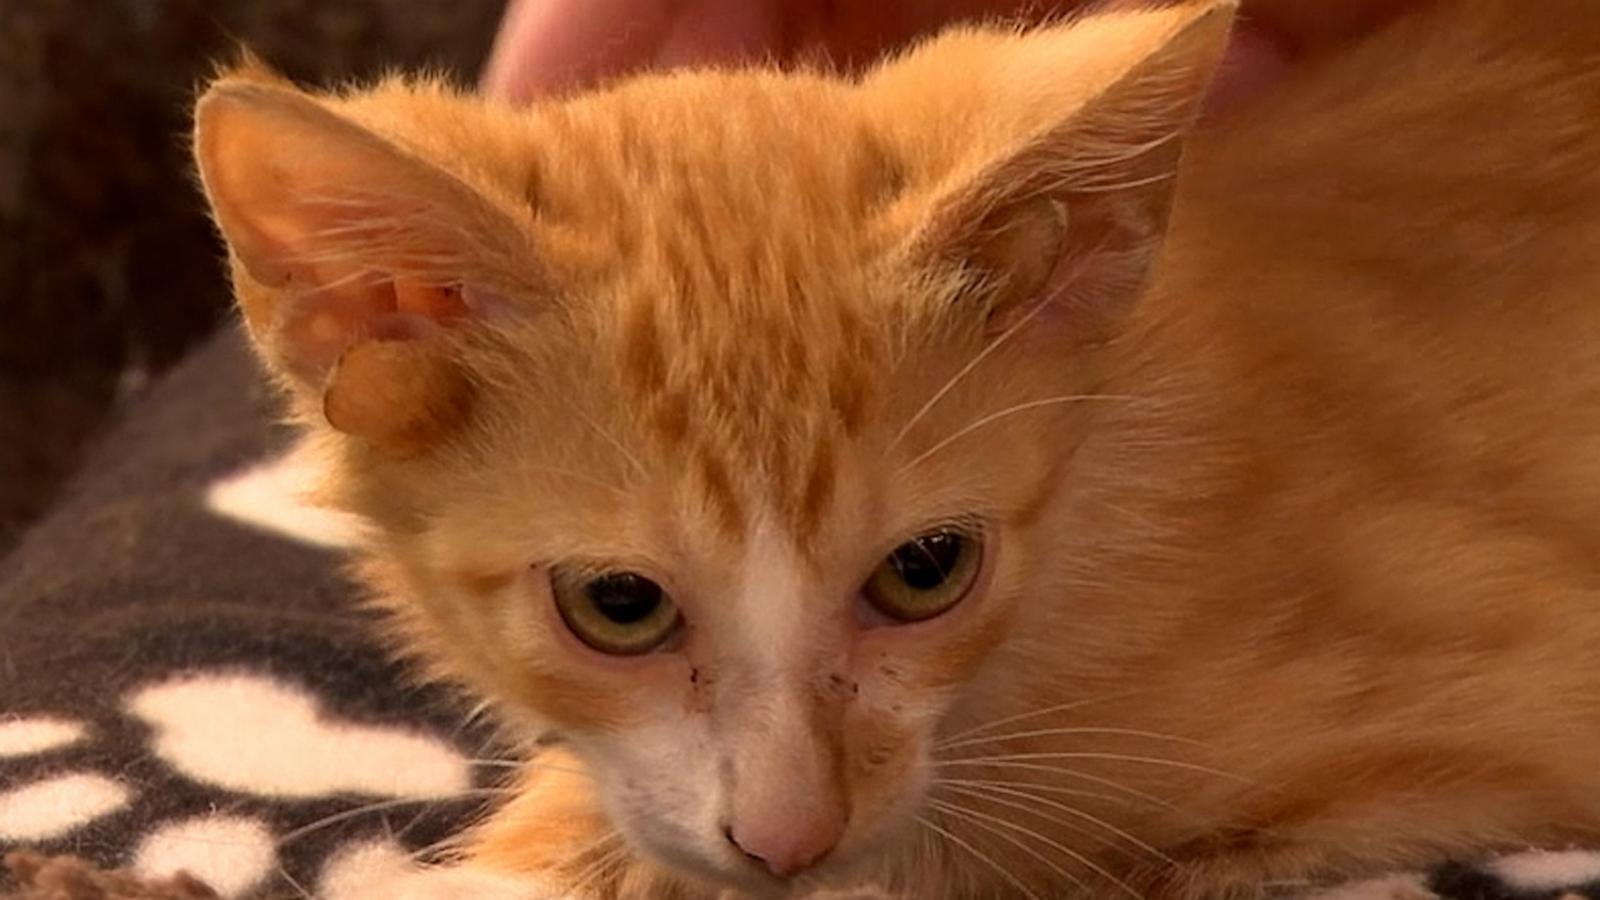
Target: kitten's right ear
(352, 257)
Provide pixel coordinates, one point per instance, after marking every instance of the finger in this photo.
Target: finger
(853, 35)
(1273, 35)
(720, 32)
(547, 46)
(550, 46)
(1314, 24)
(1256, 60)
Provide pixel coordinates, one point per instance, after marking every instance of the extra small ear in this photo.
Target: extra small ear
(340, 240)
(1077, 132)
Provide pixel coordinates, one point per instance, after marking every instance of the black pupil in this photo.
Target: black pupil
(926, 562)
(624, 598)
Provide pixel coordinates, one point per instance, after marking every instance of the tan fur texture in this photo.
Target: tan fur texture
(1289, 479)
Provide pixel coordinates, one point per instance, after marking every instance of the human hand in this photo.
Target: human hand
(547, 46)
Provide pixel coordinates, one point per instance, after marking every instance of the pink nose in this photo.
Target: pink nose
(788, 844)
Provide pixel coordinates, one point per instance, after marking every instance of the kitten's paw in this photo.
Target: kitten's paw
(463, 883)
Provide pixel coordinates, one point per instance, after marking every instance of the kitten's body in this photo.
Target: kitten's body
(1306, 578)
(1367, 455)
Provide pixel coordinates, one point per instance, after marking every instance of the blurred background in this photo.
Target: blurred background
(109, 270)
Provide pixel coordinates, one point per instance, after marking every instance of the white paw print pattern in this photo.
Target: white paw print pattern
(38, 734)
(56, 805)
(245, 733)
(355, 871)
(231, 854)
(249, 733)
(1548, 870)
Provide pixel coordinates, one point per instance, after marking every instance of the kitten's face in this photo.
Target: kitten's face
(747, 602)
(715, 425)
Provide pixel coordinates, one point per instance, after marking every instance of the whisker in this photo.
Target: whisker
(963, 372)
(976, 818)
(1071, 811)
(283, 872)
(1054, 732)
(476, 712)
(496, 763)
(608, 437)
(1047, 711)
(382, 806)
(1115, 757)
(1058, 847)
(982, 857)
(597, 868)
(534, 765)
(398, 837)
(590, 479)
(1070, 773)
(1045, 788)
(430, 853)
(593, 876)
(1055, 823)
(991, 418)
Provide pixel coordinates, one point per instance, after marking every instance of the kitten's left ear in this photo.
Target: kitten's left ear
(1070, 142)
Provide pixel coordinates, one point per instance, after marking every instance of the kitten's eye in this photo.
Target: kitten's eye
(620, 613)
(926, 575)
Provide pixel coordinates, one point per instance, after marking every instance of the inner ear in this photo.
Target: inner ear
(317, 323)
(1013, 256)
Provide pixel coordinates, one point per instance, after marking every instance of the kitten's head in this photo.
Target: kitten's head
(711, 423)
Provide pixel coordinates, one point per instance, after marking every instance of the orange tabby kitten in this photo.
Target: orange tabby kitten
(929, 479)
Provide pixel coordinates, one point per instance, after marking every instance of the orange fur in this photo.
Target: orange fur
(1294, 568)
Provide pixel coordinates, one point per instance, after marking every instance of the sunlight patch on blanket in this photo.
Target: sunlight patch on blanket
(275, 496)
